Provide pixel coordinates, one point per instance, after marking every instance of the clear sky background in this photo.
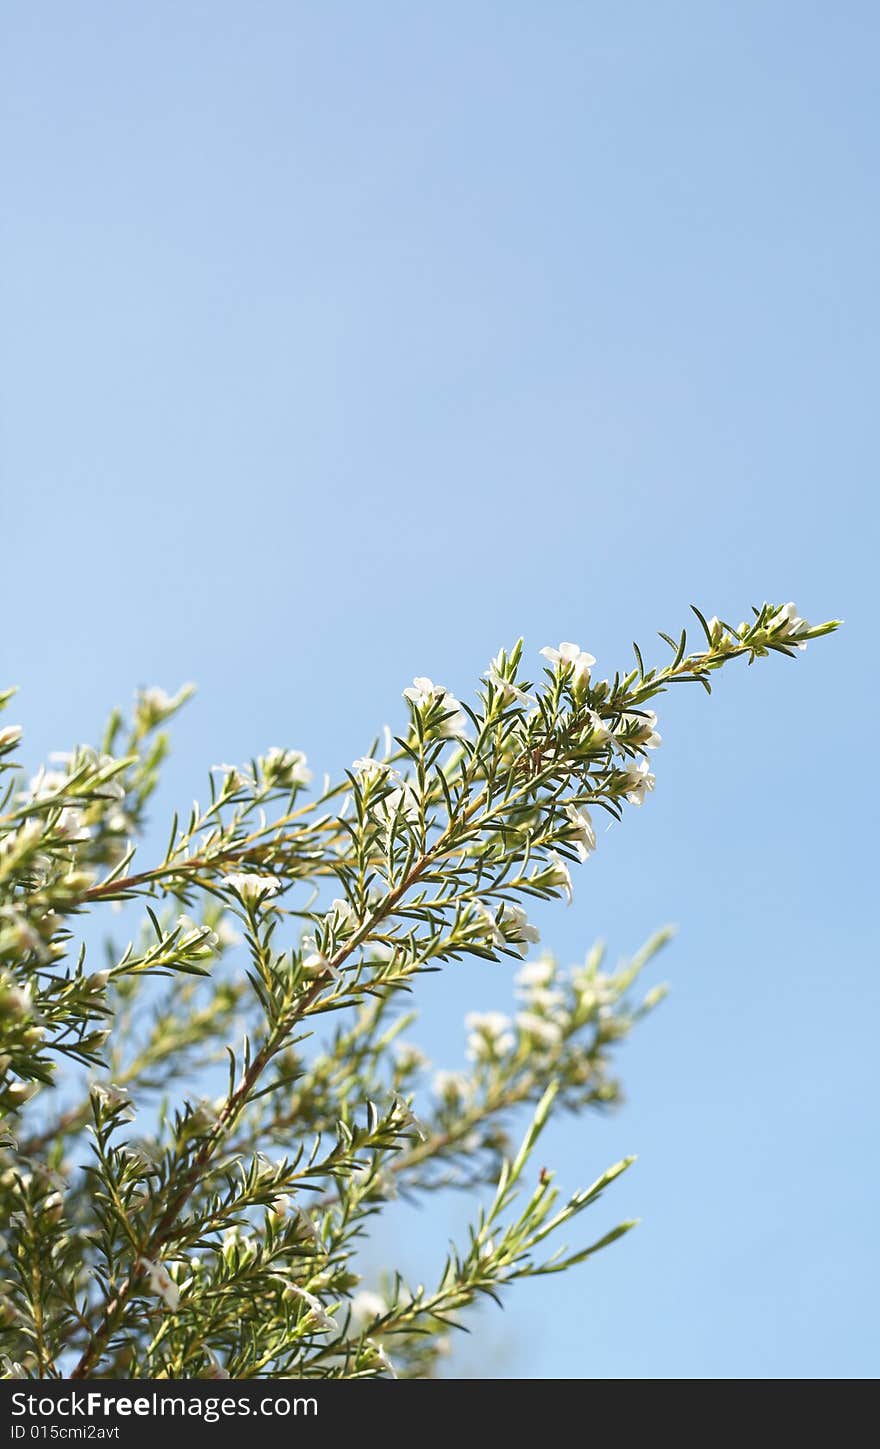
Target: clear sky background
(346, 342)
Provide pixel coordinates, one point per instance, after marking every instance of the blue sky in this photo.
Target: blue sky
(345, 343)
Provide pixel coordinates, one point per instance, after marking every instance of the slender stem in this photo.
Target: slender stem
(229, 1113)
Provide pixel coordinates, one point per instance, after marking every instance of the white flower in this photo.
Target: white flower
(366, 1307)
(543, 1030)
(317, 1316)
(306, 1226)
(160, 1283)
(117, 820)
(536, 974)
(402, 801)
(517, 930)
(490, 1023)
(494, 933)
(113, 1098)
(236, 1246)
(639, 781)
(369, 768)
(204, 1116)
(508, 692)
(718, 634)
(451, 1086)
(251, 887)
(383, 1358)
(315, 963)
(198, 939)
(490, 1034)
(512, 928)
(46, 783)
(235, 778)
(599, 731)
(152, 705)
(787, 622)
(423, 691)
(156, 698)
(406, 1117)
(345, 915)
(583, 834)
(279, 1207)
(456, 725)
(561, 876)
(571, 658)
(287, 768)
(425, 694)
(10, 736)
(227, 936)
(410, 1058)
(640, 729)
(547, 1002)
(595, 989)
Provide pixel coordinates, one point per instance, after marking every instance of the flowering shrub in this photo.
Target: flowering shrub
(157, 1226)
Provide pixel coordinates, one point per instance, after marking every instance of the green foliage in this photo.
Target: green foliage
(154, 1231)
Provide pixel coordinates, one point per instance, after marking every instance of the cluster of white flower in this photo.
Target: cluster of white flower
(196, 940)
(344, 917)
(543, 1015)
(507, 690)
(284, 769)
(451, 1087)
(402, 800)
(720, 637)
(404, 1117)
(447, 720)
(153, 705)
(560, 875)
(251, 887)
(571, 661)
(582, 836)
(410, 1058)
(316, 962)
(639, 782)
(113, 1098)
(490, 1035)
(234, 776)
(788, 624)
(544, 1030)
(369, 768)
(640, 729)
(509, 928)
(596, 992)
